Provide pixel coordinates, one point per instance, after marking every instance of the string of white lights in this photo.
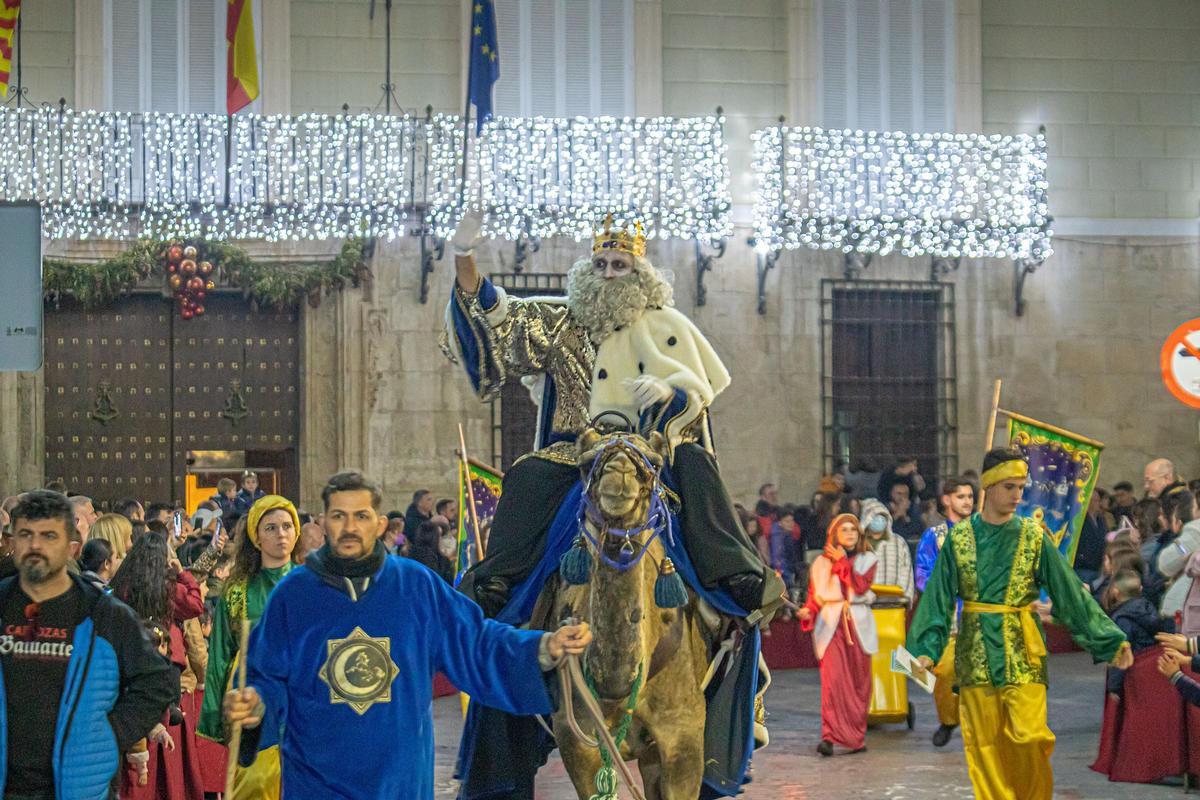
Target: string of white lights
(312, 176)
(939, 194)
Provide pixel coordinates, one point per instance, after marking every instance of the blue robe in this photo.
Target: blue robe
(351, 681)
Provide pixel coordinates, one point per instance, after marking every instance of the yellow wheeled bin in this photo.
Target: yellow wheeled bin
(889, 690)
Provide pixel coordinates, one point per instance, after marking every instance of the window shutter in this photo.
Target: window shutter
(581, 57)
(835, 65)
(901, 70)
(868, 41)
(543, 58)
(203, 76)
(938, 51)
(506, 96)
(126, 62)
(616, 40)
(164, 55)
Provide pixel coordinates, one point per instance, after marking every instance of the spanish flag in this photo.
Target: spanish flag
(9, 10)
(241, 83)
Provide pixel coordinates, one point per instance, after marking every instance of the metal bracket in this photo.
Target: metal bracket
(526, 246)
(704, 263)
(433, 247)
(940, 267)
(854, 263)
(765, 263)
(1022, 269)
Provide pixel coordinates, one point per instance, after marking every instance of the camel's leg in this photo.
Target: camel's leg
(680, 744)
(582, 763)
(650, 769)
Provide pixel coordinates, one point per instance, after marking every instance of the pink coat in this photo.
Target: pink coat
(1191, 605)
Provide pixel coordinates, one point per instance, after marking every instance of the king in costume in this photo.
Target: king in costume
(614, 343)
(998, 564)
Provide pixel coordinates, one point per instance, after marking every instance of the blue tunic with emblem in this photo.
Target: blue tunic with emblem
(349, 674)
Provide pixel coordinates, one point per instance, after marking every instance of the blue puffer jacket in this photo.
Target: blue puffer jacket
(117, 688)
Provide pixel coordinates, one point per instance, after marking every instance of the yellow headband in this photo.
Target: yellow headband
(1016, 468)
(262, 507)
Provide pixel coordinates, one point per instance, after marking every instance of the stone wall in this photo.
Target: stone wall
(48, 40)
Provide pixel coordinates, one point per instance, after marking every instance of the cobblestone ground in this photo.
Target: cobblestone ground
(899, 764)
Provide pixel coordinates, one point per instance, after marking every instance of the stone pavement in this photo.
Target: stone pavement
(899, 765)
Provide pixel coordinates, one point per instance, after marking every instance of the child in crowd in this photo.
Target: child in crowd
(1137, 618)
(1120, 554)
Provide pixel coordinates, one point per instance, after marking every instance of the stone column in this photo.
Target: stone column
(968, 68)
(647, 58)
(91, 67)
(276, 56)
(22, 451)
(803, 69)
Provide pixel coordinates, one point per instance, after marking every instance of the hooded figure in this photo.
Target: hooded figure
(895, 562)
(838, 612)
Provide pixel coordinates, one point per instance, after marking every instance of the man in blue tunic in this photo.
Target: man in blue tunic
(346, 651)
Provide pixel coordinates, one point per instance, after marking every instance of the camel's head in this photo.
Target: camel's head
(623, 469)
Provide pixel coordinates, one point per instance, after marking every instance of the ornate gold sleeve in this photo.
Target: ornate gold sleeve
(515, 336)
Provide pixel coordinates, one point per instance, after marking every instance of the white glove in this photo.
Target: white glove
(466, 235)
(159, 735)
(648, 390)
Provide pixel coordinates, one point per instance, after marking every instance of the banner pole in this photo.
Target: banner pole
(991, 431)
(466, 465)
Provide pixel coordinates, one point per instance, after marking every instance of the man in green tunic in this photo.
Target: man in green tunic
(263, 558)
(998, 564)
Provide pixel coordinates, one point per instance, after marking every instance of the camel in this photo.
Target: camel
(633, 635)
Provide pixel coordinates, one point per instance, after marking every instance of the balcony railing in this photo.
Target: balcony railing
(943, 195)
(311, 176)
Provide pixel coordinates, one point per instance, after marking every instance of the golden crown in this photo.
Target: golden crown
(621, 239)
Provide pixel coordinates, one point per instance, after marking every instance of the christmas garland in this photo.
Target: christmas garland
(275, 285)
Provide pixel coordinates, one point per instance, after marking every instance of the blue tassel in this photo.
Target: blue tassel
(575, 566)
(669, 589)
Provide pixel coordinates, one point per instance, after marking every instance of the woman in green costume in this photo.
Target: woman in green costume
(264, 550)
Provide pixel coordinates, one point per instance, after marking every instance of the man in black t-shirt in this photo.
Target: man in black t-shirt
(81, 678)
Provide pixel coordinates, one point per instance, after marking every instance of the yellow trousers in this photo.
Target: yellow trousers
(944, 698)
(259, 781)
(1007, 743)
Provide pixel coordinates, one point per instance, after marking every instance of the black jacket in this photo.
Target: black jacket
(1139, 620)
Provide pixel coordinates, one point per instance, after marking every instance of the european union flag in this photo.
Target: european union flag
(485, 60)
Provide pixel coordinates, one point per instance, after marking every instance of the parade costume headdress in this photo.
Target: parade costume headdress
(620, 239)
(1001, 465)
(265, 505)
(831, 532)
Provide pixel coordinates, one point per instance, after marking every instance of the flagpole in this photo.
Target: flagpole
(462, 185)
(991, 431)
(466, 466)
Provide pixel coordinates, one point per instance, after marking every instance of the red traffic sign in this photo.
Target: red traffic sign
(1180, 362)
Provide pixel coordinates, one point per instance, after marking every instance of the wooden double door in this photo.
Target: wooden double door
(134, 393)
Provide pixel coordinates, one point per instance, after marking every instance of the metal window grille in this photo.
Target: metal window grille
(514, 415)
(888, 387)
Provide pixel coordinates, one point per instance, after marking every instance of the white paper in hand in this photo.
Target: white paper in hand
(904, 663)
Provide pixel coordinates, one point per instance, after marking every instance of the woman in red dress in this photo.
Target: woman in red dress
(838, 612)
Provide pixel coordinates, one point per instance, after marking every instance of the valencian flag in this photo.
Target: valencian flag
(485, 487)
(1063, 468)
(241, 59)
(9, 11)
(485, 60)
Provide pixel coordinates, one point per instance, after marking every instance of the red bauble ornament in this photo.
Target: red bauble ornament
(199, 310)
(189, 252)
(195, 283)
(186, 313)
(174, 282)
(187, 266)
(174, 253)
(171, 268)
(200, 294)
(205, 267)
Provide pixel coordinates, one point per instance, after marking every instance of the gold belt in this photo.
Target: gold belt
(1029, 629)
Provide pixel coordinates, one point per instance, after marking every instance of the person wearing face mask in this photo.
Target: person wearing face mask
(895, 564)
(838, 612)
(264, 549)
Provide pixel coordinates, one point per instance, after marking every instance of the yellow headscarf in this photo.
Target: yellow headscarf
(1005, 470)
(265, 505)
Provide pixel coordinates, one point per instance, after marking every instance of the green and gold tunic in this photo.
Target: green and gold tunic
(1004, 565)
(239, 602)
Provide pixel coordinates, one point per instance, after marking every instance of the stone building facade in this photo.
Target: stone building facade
(1116, 85)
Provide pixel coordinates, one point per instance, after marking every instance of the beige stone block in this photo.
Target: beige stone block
(1183, 204)
(1087, 140)
(1105, 108)
(1113, 173)
(1143, 76)
(1092, 75)
(316, 19)
(1063, 107)
(1141, 204)
(1110, 44)
(729, 32)
(1183, 141)
(1026, 41)
(1011, 107)
(997, 74)
(1035, 73)
(770, 9)
(1167, 109)
(1141, 140)
(1166, 173)
(1079, 203)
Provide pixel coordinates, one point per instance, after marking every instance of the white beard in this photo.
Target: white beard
(602, 305)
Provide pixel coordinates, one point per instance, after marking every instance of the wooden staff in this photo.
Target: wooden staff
(991, 433)
(235, 736)
(466, 467)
